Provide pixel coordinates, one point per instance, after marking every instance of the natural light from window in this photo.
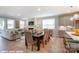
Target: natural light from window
(10, 24)
(22, 24)
(1, 23)
(48, 23)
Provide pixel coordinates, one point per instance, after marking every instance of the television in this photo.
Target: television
(31, 23)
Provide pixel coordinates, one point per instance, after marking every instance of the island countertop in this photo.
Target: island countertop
(71, 35)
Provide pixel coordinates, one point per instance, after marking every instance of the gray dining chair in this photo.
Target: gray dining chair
(29, 39)
(61, 33)
(45, 38)
(51, 32)
(47, 31)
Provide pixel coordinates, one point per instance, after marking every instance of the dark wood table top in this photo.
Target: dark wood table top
(38, 34)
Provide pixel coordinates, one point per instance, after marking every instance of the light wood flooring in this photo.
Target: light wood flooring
(54, 46)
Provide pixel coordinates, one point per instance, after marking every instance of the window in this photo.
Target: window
(10, 24)
(1, 23)
(48, 24)
(22, 24)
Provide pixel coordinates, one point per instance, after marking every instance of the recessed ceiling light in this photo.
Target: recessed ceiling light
(18, 14)
(75, 16)
(24, 18)
(38, 9)
(71, 18)
(35, 16)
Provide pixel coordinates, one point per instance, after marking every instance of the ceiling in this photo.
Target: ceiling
(31, 11)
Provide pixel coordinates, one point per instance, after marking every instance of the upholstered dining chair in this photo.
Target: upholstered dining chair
(45, 38)
(51, 32)
(29, 39)
(47, 31)
(61, 33)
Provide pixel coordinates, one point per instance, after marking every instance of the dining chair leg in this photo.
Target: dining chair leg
(26, 44)
(38, 45)
(48, 39)
(32, 47)
(43, 44)
(26, 47)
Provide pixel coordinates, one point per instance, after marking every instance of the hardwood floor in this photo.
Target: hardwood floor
(54, 46)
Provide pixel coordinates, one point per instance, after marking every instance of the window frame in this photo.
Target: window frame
(2, 19)
(49, 23)
(11, 23)
(20, 24)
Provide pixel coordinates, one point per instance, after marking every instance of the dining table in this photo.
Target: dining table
(38, 37)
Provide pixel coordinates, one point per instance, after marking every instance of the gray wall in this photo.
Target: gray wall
(65, 20)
